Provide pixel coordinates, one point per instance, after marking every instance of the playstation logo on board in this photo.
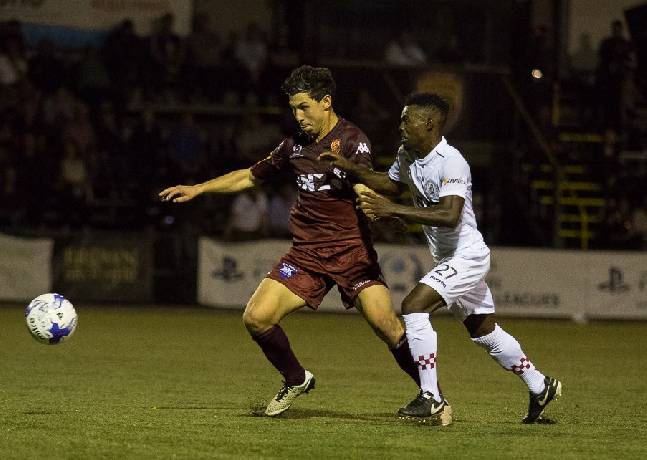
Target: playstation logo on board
(615, 284)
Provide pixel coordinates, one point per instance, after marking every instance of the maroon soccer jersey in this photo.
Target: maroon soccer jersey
(325, 208)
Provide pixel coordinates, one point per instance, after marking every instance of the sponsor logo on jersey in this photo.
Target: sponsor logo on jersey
(362, 148)
(286, 270)
(296, 151)
(453, 181)
(335, 146)
(315, 182)
(360, 284)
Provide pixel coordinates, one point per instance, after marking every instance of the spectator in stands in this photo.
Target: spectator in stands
(251, 52)
(186, 150)
(7, 186)
(279, 210)
(46, 71)
(616, 230)
(613, 75)
(249, 216)
(124, 54)
(92, 80)
(60, 107)
(639, 223)
(168, 53)
(74, 177)
(80, 129)
(13, 61)
(254, 138)
(405, 51)
(204, 66)
(146, 147)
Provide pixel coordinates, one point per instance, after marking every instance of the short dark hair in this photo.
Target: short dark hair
(429, 100)
(316, 81)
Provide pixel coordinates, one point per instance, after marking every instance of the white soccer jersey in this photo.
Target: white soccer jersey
(442, 172)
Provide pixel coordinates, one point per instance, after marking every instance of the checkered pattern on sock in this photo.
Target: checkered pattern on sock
(506, 351)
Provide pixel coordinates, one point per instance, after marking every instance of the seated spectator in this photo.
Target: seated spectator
(249, 216)
(254, 138)
(639, 224)
(186, 150)
(280, 205)
(404, 51)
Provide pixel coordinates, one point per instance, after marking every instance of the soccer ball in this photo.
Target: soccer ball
(51, 318)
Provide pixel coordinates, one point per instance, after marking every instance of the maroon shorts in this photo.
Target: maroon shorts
(311, 271)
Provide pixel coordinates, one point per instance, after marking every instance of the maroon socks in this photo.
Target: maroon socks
(276, 346)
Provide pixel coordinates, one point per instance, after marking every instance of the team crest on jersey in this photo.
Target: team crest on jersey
(431, 191)
(286, 270)
(363, 148)
(296, 151)
(335, 146)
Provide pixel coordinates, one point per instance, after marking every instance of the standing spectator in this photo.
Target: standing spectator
(92, 78)
(76, 187)
(168, 53)
(13, 63)
(123, 54)
(614, 73)
(405, 51)
(46, 70)
(251, 52)
(203, 63)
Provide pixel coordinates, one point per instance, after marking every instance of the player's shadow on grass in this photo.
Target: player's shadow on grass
(296, 414)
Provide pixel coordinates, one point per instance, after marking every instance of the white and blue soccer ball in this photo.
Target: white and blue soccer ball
(51, 318)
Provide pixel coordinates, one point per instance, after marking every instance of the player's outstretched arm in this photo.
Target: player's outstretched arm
(233, 182)
(446, 213)
(380, 182)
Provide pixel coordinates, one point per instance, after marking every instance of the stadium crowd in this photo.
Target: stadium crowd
(88, 137)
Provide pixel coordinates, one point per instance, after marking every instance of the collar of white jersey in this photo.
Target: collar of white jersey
(436, 150)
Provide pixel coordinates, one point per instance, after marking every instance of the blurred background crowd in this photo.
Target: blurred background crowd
(89, 134)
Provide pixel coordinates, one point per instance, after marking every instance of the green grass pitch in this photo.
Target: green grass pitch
(188, 383)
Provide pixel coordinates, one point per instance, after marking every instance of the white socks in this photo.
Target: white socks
(423, 343)
(508, 353)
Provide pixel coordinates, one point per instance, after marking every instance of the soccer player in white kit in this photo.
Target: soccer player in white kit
(440, 183)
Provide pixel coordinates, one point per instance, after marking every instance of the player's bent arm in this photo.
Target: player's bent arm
(378, 181)
(446, 213)
(233, 182)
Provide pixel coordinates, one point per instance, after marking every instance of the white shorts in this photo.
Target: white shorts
(460, 281)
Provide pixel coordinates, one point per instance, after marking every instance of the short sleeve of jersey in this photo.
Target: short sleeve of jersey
(276, 163)
(394, 170)
(456, 177)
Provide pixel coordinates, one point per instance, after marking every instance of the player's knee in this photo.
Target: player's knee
(410, 305)
(254, 322)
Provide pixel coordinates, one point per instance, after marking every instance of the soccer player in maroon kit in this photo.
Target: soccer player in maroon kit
(331, 240)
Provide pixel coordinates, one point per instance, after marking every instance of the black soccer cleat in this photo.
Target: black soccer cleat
(424, 408)
(537, 403)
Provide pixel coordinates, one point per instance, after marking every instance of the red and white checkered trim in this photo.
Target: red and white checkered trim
(425, 362)
(523, 365)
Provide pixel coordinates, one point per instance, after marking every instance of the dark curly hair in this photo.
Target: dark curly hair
(430, 101)
(316, 81)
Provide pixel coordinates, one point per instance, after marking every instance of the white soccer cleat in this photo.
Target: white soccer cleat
(286, 395)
